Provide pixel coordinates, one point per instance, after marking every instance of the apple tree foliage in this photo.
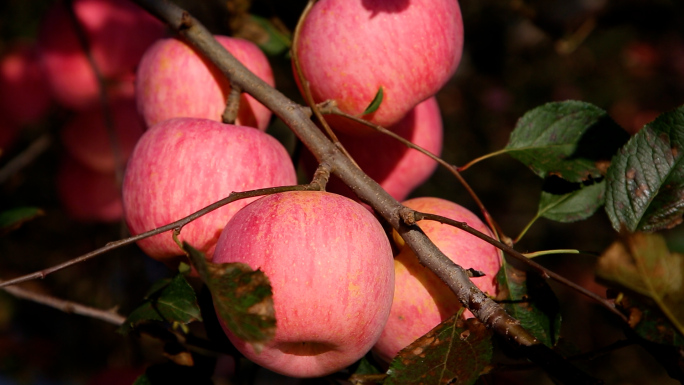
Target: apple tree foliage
(586, 163)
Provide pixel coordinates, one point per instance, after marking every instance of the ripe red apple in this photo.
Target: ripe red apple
(118, 33)
(421, 299)
(24, 94)
(87, 195)
(86, 138)
(173, 80)
(330, 266)
(184, 164)
(398, 169)
(348, 49)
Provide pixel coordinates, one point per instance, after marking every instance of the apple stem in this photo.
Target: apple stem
(230, 113)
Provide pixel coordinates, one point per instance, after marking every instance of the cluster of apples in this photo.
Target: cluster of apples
(338, 289)
(54, 70)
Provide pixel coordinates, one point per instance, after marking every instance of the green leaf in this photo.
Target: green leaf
(645, 189)
(643, 264)
(365, 367)
(574, 206)
(571, 139)
(170, 300)
(375, 104)
(270, 39)
(243, 297)
(457, 351)
(529, 299)
(14, 218)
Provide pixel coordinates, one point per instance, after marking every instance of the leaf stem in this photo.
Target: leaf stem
(483, 157)
(551, 252)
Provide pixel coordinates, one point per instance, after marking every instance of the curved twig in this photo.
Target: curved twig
(171, 226)
(541, 270)
(332, 109)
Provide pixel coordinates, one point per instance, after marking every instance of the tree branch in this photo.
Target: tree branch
(110, 316)
(488, 311)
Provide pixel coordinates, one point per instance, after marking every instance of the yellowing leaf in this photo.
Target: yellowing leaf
(644, 265)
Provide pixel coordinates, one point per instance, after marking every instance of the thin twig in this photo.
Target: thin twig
(541, 270)
(110, 316)
(104, 97)
(171, 226)
(308, 97)
(332, 109)
(26, 157)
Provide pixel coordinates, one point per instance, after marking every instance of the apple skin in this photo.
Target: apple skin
(85, 136)
(348, 49)
(174, 81)
(118, 33)
(398, 169)
(24, 96)
(330, 266)
(88, 195)
(421, 299)
(181, 165)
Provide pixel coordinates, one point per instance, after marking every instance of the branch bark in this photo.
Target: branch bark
(295, 116)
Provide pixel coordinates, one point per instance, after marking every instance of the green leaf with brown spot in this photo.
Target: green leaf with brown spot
(457, 351)
(243, 297)
(645, 190)
(573, 140)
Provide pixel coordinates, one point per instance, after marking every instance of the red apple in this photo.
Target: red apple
(398, 169)
(87, 195)
(86, 137)
(118, 33)
(421, 299)
(24, 94)
(184, 164)
(348, 49)
(174, 81)
(330, 266)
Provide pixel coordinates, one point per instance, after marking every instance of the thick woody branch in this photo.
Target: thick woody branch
(366, 189)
